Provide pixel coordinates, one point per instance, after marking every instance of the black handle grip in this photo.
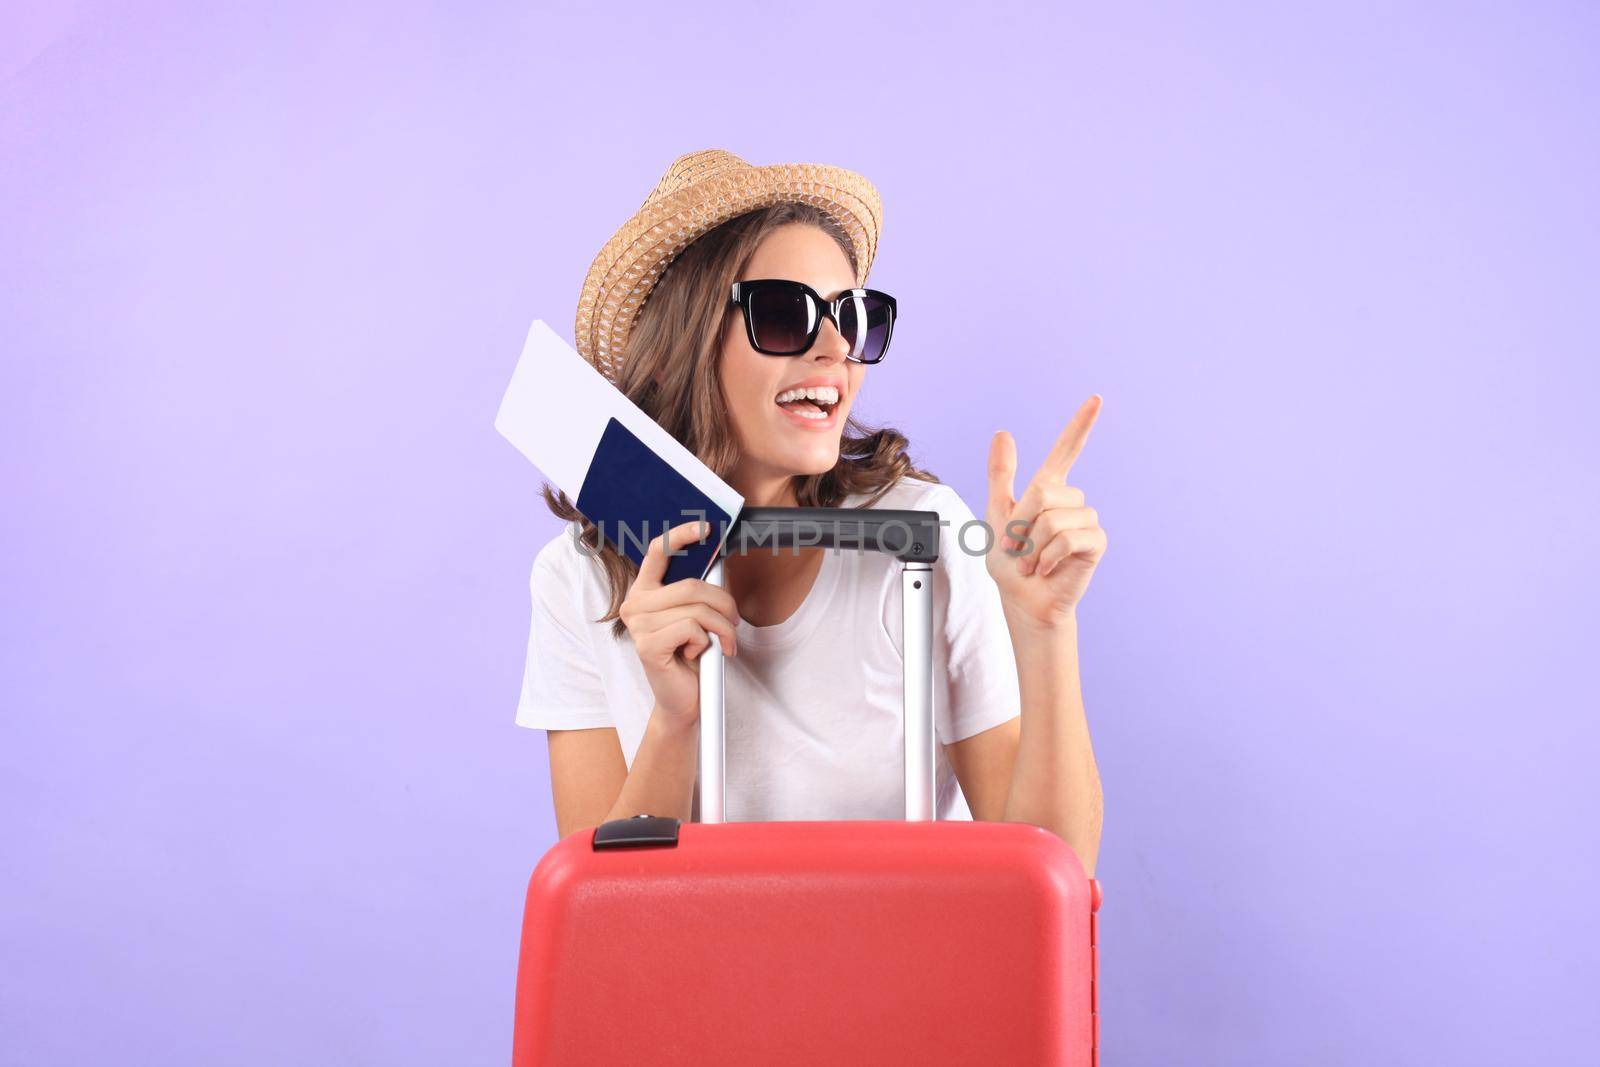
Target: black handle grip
(909, 536)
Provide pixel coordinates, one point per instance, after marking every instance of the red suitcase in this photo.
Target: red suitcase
(647, 941)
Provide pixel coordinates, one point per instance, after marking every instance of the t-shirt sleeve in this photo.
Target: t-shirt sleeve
(561, 684)
(981, 666)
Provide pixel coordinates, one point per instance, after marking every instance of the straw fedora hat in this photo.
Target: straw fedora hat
(702, 190)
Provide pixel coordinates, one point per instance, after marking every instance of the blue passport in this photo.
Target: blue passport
(633, 495)
(622, 469)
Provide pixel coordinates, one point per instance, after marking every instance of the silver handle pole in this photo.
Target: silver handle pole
(916, 588)
(713, 746)
(917, 629)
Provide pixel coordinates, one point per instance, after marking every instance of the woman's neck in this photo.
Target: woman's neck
(765, 491)
(769, 586)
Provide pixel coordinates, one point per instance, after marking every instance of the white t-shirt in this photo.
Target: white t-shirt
(814, 703)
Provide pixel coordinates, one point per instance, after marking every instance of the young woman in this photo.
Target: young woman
(813, 674)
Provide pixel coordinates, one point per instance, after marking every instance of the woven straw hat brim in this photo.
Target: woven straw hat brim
(701, 191)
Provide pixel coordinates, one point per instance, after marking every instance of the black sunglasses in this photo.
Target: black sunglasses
(783, 317)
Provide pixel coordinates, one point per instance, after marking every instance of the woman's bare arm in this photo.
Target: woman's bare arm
(984, 764)
(1053, 542)
(587, 771)
(592, 783)
(1055, 782)
(671, 625)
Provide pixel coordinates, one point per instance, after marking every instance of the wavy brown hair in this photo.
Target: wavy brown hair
(672, 370)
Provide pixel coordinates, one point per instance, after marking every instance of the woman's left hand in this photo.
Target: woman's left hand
(1041, 585)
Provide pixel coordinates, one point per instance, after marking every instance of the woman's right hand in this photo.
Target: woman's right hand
(670, 624)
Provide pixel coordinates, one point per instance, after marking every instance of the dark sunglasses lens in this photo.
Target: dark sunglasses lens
(865, 322)
(781, 319)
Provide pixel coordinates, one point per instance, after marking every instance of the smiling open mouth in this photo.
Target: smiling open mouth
(814, 402)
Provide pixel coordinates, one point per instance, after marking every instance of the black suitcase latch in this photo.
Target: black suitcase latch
(641, 831)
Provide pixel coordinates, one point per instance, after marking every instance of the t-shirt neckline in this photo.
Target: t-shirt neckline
(799, 625)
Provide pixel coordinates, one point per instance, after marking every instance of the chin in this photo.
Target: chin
(813, 464)
(807, 461)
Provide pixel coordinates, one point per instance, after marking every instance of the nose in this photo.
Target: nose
(830, 345)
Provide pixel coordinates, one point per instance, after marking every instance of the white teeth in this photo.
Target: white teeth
(823, 394)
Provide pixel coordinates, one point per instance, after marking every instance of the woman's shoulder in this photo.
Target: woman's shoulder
(561, 564)
(914, 493)
(907, 493)
(560, 549)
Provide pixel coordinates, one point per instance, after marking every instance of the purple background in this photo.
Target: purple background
(265, 574)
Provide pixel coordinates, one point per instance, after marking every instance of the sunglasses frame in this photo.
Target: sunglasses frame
(742, 291)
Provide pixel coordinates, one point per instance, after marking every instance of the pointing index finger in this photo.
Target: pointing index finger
(1067, 447)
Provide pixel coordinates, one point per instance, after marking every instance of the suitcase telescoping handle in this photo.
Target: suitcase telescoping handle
(912, 537)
